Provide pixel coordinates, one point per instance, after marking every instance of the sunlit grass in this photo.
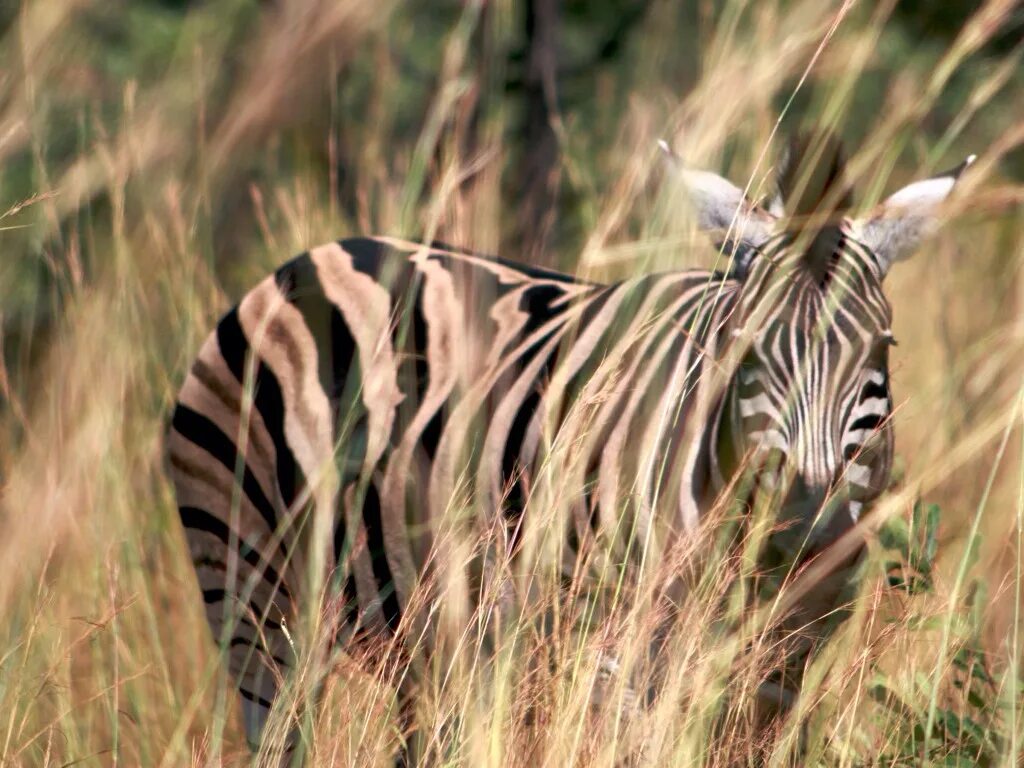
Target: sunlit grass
(140, 204)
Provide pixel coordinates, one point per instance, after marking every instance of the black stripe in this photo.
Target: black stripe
(515, 501)
(343, 354)
(842, 328)
(873, 389)
(197, 519)
(335, 347)
(378, 558)
(420, 346)
(234, 346)
(517, 433)
(267, 399)
(351, 598)
(871, 421)
(256, 644)
(255, 698)
(199, 430)
(269, 402)
(536, 301)
(292, 277)
(367, 254)
(431, 437)
(212, 596)
(340, 542)
(341, 551)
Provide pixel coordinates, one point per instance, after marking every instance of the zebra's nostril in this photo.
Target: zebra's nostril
(803, 494)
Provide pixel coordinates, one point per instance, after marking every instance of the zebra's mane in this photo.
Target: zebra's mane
(814, 195)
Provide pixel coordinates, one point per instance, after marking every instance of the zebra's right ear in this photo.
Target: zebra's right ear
(720, 205)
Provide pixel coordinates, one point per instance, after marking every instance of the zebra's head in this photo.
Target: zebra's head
(808, 409)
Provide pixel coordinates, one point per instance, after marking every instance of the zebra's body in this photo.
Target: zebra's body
(403, 357)
(343, 413)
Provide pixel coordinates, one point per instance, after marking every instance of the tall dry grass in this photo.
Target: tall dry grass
(144, 192)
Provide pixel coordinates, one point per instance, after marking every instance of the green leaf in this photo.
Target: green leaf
(895, 535)
(931, 544)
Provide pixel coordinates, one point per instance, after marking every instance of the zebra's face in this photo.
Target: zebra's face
(808, 412)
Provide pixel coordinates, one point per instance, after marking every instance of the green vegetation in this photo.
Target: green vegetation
(157, 158)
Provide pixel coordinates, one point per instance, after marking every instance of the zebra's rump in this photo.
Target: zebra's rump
(354, 398)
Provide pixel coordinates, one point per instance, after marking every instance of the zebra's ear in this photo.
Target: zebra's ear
(720, 205)
(895, 230)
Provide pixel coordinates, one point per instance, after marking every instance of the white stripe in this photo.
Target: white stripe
(751, 406)
(856, 508)
(873, 406)
(858, 474)
(769, 438)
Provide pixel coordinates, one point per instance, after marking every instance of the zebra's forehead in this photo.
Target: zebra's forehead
(837, 337)
(802, 302)
(847, 300)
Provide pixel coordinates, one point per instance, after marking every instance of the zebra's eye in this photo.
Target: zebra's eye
(885, 340)
(748, 378)
(879, 350)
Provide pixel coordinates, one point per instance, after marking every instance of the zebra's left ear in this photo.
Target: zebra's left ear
(895, 230)
(720, 205)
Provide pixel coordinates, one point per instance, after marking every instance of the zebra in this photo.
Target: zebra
(349, 400)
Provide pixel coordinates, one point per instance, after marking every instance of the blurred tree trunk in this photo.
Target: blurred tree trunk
(539, 173)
